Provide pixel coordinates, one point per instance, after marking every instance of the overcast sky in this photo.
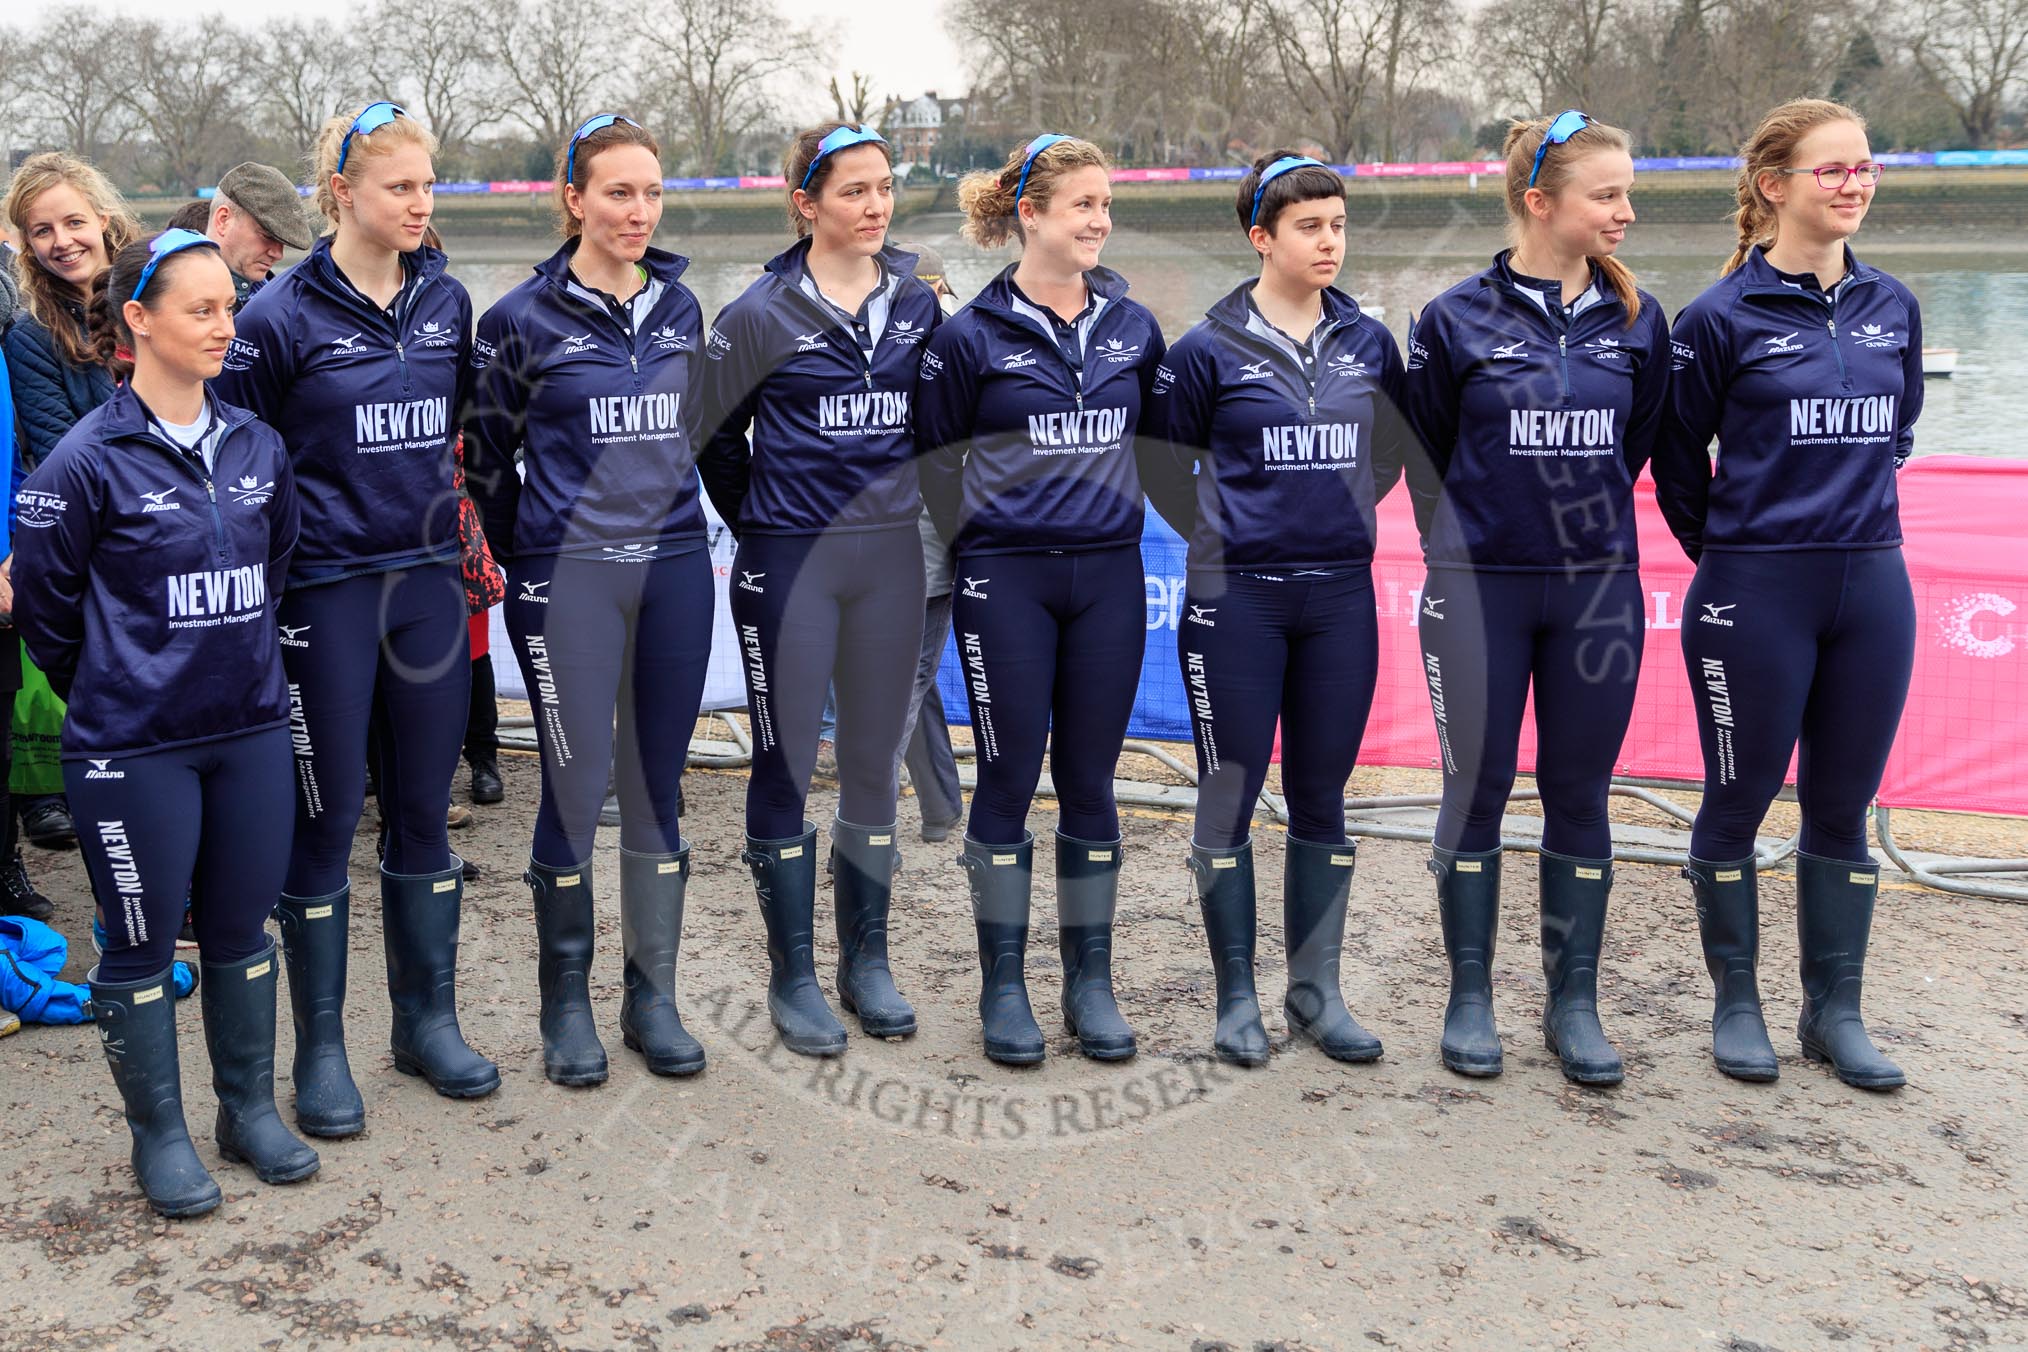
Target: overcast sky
(901, 43)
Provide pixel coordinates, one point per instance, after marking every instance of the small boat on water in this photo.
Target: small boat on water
(1939, 361)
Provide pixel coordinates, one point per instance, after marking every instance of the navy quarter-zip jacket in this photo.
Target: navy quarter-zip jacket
(1536, 424)
(1263, 459)
(1813, 399)
(146, 586)
(833, 445)
(1021, 451)
(367, 405)
(602, 412)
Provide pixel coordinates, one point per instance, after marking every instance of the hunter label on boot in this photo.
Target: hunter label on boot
(569, 879)
(316, 913)
(1342, 860)
(1471, 866)
(669, 866)
(444, 885)
(1000, 859)
(1591, 873)
(257, 972)
(1225, 861)
(1726, 875)
(887, 839)
(149, 996)
(1099, 856)
(1863, 879)
(793, 852)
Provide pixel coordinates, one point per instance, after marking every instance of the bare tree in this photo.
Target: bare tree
(1973, 53)
(1354, 64)
(434, 56)
(1064, 65)
(717, 64)
(78, 70)
(555, 59)
(856, 106)
(306, 70)
(187, 94)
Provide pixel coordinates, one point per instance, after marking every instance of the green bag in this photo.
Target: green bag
(38, 730)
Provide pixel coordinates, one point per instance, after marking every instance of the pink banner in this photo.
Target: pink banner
(1963, 744)
(1427, 168)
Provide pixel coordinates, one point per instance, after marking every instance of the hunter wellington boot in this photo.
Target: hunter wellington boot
(420, 928)
(1468, 901)
(137, 1030)
(1001, 878)
(314, 937)
(571, 1052)
(651, 932)
(1316, 886)
(785, 880)
(1834, 918)
(1728, 923)
(862, 886)
(239, 1028)
(1087, 895)
(1573, 930)
(1225, 894)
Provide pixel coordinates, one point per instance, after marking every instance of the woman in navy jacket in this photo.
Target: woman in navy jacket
(359, 357)
(153, 542)
(587, 370)
(1274, 422)
(818, 359)
(1536, 387)
(1027, 413)
(1806, 364)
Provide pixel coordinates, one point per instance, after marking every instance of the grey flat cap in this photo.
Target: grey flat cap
(271, 199)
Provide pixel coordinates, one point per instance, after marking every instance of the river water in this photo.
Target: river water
(1974, 297)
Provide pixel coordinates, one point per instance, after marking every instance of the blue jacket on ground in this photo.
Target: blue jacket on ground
(1813, 399)
(833, 444)
(31, 956)
(1536, 424)
(50, 394)
(367, 404)
(1019, 451)
(602, 412)
(1289, 455)
(145, 586)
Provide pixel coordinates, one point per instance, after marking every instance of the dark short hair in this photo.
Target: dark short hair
(1309, 183)
(193, 216)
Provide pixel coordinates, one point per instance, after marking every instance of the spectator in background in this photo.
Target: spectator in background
(255, 213)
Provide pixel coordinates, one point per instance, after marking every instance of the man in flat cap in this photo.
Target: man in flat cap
(254, 214)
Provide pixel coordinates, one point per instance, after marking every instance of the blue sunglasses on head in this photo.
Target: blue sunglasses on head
(837, 141)
(164, 244)
(371, 119)
(1273, 172)
(1568, 123)
(1035, 147)
(599, 123)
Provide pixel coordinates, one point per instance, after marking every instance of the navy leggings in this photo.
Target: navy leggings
(596, 637)
(841, 609)
(208, 823)
(402, 634)
(1050, 645)
(1303, 645)
(1486, 637)
(1815, 645)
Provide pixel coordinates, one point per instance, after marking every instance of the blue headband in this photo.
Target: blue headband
(164, 244)
(1273, 172)
(1568, 123)
(839, 140)
(371, 119)
(1035, 147)
(599, 123)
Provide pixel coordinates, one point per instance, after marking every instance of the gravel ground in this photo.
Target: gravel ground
(913, 1195)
